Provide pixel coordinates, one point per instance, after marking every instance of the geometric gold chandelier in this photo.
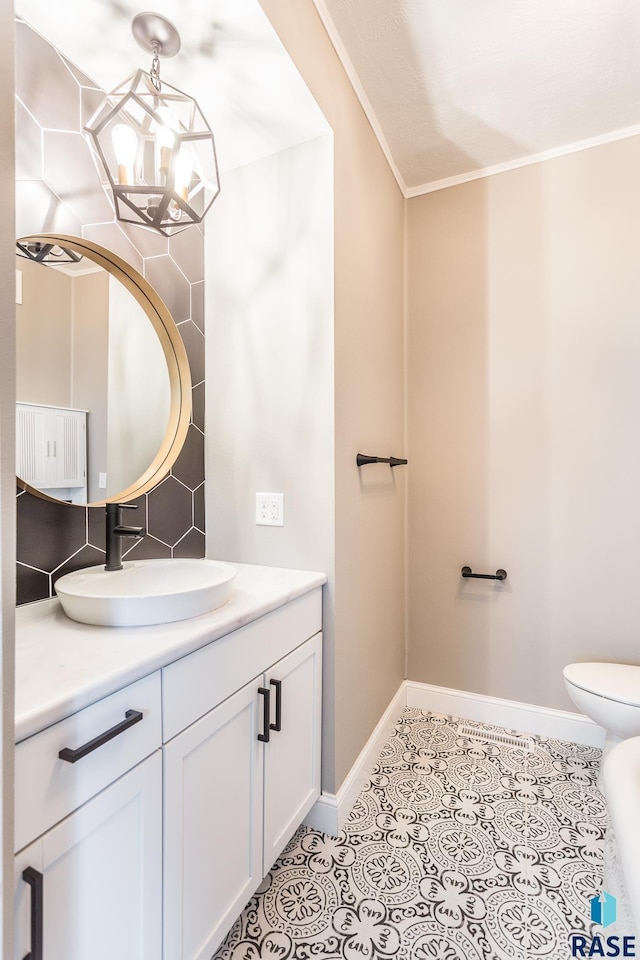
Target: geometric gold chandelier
(153, 147)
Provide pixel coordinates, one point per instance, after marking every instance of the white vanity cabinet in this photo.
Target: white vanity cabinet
(239, 780)
(90, 885)
(147, 820)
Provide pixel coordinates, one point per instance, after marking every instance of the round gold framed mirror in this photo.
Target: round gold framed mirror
(103, 386)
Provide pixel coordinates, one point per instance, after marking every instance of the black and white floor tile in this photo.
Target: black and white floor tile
(468, 843)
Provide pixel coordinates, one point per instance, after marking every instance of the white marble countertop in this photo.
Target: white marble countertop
(63, 666)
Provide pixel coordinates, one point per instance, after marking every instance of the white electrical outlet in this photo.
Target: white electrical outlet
(270, 509)
(102, 481)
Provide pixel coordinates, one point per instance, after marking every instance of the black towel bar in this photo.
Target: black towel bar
(468, 573)
(361, 459)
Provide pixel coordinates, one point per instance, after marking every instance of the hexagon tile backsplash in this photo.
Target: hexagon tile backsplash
(58, 190)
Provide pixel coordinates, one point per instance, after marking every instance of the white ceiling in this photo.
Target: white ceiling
(456, 88)
(231, 61)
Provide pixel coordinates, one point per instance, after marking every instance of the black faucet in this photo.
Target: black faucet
(116, 532)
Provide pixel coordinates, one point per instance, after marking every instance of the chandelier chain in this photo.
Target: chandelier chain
(154, 73)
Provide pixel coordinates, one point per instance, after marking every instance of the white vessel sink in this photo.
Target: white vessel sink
(145, 592)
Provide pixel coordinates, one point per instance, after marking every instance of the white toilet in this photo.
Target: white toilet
(621, 779)
(609, 694)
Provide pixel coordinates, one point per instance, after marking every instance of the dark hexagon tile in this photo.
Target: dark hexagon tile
(192, 546)
(140, 517)
(31, 585)
(28, 145)
(87, 557)
(47, 532)
(148, 549)
(199, 509)
(96, 527)
(43, 83)
(189, 467)
(197, 406)
(193, 341)
(77, 183)
(112, 237)
(170, 511)
(187, 249)
(171, 284)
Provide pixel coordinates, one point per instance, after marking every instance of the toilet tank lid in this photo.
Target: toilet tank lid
(616, 681)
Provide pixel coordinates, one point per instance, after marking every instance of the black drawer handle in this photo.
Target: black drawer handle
(266, 710)
(36, 881)
(277, 726)
(70, 755)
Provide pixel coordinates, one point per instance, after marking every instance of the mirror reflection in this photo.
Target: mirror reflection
(93, 387)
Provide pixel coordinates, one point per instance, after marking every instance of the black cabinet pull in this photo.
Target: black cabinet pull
(70, 755)
(266, 710)
(36, 881)
(277, 726)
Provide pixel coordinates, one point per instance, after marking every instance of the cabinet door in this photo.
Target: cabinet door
(292, 756)
(51, 446)
(213, 817)
(32, 460)
(101, 871)
(69, 448)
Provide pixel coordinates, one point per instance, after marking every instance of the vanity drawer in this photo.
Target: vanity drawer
(197, 683)
(49, 788)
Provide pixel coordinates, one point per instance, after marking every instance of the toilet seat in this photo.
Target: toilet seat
(614, 681)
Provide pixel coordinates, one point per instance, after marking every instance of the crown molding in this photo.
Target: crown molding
(533, 158)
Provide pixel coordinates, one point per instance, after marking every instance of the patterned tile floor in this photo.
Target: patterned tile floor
(459, 848)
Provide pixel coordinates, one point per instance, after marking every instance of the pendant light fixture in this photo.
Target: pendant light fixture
(152, 144)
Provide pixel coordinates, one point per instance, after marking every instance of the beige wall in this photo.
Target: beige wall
(369, 413)
(43, 335)
(7, 466)
(523, 359)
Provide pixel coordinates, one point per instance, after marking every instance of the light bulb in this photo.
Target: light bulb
(184, 170)
(165, 137)
(125, 145)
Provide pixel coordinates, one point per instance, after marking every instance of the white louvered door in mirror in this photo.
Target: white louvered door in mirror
(51, 450)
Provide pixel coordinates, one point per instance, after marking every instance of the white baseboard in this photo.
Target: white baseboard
(331, 810)
(323, 815)
(526, 717)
